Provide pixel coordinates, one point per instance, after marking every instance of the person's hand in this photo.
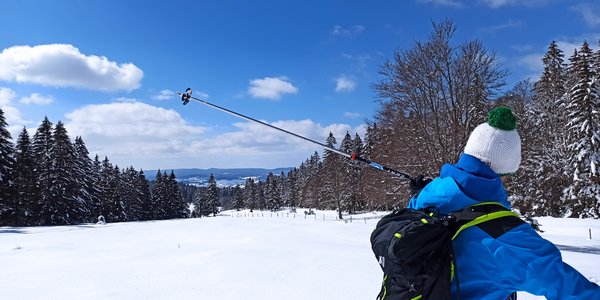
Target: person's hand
(418, 183)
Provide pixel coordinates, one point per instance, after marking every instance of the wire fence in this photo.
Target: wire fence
(306, 216)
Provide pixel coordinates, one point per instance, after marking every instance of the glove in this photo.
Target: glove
(418, 183)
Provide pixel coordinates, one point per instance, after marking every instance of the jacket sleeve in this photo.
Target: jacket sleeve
(532, 264)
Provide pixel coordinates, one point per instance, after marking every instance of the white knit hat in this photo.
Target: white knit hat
(497, 142)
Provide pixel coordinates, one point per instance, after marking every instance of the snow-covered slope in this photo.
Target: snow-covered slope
(235, 256)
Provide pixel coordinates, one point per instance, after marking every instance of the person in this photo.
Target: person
(495, 261)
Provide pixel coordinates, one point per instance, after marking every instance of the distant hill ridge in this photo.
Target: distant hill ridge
(220, 174)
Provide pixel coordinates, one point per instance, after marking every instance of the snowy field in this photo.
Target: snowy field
(234, 256)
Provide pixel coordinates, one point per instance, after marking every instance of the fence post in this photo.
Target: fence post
(590, 233)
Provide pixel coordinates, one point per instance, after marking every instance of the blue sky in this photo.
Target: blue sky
(109, 69)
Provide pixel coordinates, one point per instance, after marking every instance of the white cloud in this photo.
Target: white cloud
(506, 25)
(125, 99)
(448, 3)
(271, 88)
(352, 115)
(358, 62)
(532, 64)
(38, 99)
(13, 115)
(350, 31)
(522, 48)
(590, 13)
(6, 96)
(131, 129)
(344, 84)
(528, 3)
(63, 65)
(164, 95)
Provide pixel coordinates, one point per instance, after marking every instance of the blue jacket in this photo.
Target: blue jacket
(519, 260)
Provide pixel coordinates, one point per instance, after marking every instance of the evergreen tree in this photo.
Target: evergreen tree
(347, 198)
(290, 195)
(272, 193)
(144, 198)
(212, 196)
(541, 176)
(8, 205)
(97, 207)
(238, 198)
(117, 203)
(333, 174)
(24, 203)
(584, 141)
(129, 194)
(42, 145)
(200, 203)
(206, 199)
(355, 174)
(110, 191)
(158, 196)
(249, 192)
(259, 195)
(176, 203)
(63, 206)
(86, 178)
(309, 182)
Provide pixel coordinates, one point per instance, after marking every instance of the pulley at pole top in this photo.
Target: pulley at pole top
(187, 96)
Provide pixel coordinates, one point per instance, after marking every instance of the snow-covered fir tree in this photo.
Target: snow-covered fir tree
(159, 196)
(584, 138)
(347, 192)
(97, 208)
(259, 196)
(238, 198)
(7, 165)
(290, 195)
(86, 177)
(355, 172)
(206, 199)
(333, 171)
(109, 190)
(24, 201)
(272, 193)
(129, 194)
(42, 144)
(63, 206)
(545, 156)
(308, 179)
(249, 192)
(145, 201)
(176, 204)
(212, 196)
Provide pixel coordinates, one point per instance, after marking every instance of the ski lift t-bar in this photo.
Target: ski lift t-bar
(187, 96)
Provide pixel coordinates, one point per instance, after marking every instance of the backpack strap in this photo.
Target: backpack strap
(491, 217)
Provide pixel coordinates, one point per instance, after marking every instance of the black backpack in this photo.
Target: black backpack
(414, 248)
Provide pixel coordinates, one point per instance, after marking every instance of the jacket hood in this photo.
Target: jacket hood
(468, 182)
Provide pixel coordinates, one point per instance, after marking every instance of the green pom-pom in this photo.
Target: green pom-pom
(502, 118)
